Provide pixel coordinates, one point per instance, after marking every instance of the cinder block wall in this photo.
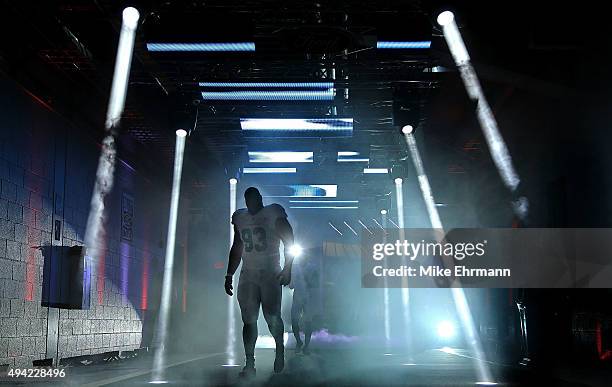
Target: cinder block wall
(46, 176)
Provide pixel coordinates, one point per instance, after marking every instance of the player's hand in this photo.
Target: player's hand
(284, 277)
(228, 285)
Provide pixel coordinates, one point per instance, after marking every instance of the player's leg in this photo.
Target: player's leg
(295, 321)
(249, 339)
(271, 296)
(249, 300)
(307, 317)
(307, 335)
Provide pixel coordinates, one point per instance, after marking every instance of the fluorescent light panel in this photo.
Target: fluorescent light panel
(334, 227)
(200, 47)
(258, 95)
(350, 228)
(376, 170)
(269, 170)
(325, 204)
(301, 191)
(281, 157)
(291, 124)
(349, 156)
(403, 45)
(323, 201)
(283, 85)
(321, 207)
(325, 190)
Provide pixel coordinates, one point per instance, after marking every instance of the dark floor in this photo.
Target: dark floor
(343, 367)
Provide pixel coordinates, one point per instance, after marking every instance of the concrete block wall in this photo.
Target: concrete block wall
(46, 175)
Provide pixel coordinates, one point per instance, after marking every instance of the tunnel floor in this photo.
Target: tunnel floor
(335, 367)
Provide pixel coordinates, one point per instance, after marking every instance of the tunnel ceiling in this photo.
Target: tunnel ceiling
(307, 41)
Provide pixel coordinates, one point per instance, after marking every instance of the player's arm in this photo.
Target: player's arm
(235, 256)
(285, 233)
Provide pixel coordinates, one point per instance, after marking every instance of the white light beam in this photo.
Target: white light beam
(231, 303)
(106, 163)
(463, 309)
(497, 146)
(405, 291)
(164, 306)
(386, 295)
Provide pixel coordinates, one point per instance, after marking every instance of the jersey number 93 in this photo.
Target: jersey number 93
(254, 239)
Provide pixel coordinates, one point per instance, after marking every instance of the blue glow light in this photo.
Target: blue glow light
(200, 47)
(375, 170)
(258, 95)
(302, 191)
(398, 45)
(281, 157)
(269, 170)
(325, 190)
(349, 156)
(290, 124)
(284, 85)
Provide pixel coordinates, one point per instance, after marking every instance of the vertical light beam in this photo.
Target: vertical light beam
(164, 306)
(231, 303)
(461, 304)
(123, 63)
(497, 146)
(386, 296)
(399, 201)
(430, 203)
(94, 232)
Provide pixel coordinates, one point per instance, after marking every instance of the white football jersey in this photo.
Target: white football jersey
(258, 234)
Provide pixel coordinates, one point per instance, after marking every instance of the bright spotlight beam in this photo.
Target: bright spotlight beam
(405, 291)
(407, 129)
(123, 63)
(430, 203)
(399, 200)
(445, 330)
(296, 250)
(231, 301)
(164, 306)
(497, 146)
(461, 304)
(386, 293)
(116, 102)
